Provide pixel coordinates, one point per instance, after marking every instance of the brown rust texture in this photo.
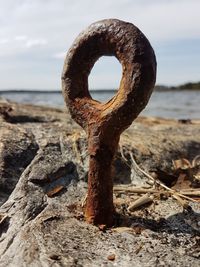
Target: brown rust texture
(105, 122)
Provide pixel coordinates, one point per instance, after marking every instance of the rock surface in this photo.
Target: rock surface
(43, 182)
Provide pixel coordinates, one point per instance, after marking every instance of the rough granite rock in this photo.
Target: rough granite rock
(43, 182)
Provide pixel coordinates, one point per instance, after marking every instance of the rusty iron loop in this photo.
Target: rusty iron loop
(104, 122)
(128, 44)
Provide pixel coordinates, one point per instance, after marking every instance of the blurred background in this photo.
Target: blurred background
(36, 35)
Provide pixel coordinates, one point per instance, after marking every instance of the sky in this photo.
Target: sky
(35, 36)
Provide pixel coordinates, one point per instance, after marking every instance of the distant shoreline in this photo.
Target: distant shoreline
(31, 91)
(186, 86)
(51, 91)
(161, 88)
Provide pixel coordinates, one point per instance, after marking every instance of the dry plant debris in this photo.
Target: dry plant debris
(183, 197)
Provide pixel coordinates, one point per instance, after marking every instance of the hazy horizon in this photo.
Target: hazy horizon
(93, 89)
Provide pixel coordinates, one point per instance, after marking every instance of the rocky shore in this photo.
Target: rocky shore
(43, 183)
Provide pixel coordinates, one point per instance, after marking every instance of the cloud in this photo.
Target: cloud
(60, 55)
(35, 42)
(44, 29)
(20, 38)
(28, 42)
(4, 41)
(60, 21)
(18, 45)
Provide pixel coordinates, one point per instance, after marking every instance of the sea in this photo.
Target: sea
(175, 104)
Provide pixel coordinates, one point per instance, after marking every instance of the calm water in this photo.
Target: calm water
(178, 104)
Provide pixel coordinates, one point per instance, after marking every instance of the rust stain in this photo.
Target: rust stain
(105, 122)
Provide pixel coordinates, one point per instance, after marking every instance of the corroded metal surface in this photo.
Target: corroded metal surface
(105, 122)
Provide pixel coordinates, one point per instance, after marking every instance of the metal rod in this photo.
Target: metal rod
(105, 122)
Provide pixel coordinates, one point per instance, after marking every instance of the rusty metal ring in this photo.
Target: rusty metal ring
(128, 44)
(105, 122)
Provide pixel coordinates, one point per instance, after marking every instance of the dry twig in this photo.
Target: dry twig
(173, 192)
(142, 190)
(137, 190)
(140, 202)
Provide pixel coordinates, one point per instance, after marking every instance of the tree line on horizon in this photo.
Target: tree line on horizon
(185, 86)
